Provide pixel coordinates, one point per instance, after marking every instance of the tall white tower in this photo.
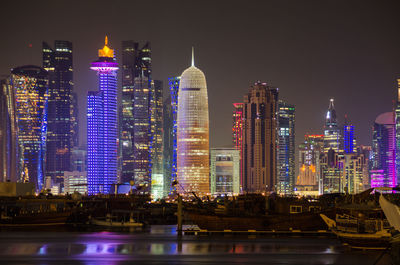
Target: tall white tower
(193, 167)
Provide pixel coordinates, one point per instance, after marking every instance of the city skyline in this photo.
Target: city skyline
(336, 58)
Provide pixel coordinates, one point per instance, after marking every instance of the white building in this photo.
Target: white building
(75, 181)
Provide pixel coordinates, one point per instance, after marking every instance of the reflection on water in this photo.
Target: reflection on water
(161, 241)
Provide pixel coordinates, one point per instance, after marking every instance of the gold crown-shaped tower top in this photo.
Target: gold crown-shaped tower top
(106, 51)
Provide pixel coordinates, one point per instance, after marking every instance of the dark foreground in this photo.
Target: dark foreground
(160, 245)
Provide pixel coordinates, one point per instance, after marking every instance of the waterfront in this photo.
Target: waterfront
(160, 245)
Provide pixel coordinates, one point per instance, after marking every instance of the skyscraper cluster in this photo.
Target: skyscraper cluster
(159, 145)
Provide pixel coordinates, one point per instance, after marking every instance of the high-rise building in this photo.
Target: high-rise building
(309, 159)
(102, 125)
(259, 138)
(136, 129)
(193, 167)
(331, 180)
(397, 122)
(61, 117)
(237, 133)
(384, 151)
(30, 92)
(349, 140)
(367, 154)
(224, 168)
(173, 84)
(9, 147)
(285, 148)
(157, 172)
(332, 135)
(353, 172)
(167, 145)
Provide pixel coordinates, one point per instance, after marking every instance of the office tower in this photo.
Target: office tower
(353, 172)
(3, 131)
(75, 181)
(332, 136)
(224, 169)
(74, 120)
(30, 92)
(173, 84)
(237, 133)
(259, 138)
(349, 141)
(78, 159)
(383, 173)
(136, 138)
(60, 120)
(397, 121)
(9, 147)
(102, 125)
(366, 152)
(309, 162)
(285, 148)
(157, 176)
(331, 164)
(168, 144)
(193, 167)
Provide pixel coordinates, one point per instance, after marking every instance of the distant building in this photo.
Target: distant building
(332, 134)
(102, 125)
(259, 139)
(78, 159)
(367, 153)
(349, 141)
(170, 132)
(331, 172)
(225, 171)
(237, 132)
(383, 172)
(75, 181)
(136, 128)
(193, 169)
(285, 148)
(157, 172)
(30, 92)
(353, 172)
(61, 130)
(309, 163)
(397, 122)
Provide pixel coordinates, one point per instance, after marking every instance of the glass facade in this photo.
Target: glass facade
(259, 139)
(285, 148)
(384, 151)
(136, 128)
(237, 132)
(62, 122)
(30, 92)
(332, 136)
(225, 168)
(193, 167)
(102, 125)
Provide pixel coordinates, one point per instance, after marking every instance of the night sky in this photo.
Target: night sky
(310, 50)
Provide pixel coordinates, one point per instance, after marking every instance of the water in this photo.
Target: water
(161, 245)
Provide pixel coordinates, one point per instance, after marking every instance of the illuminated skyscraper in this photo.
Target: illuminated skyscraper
(193, 167)
(137, 94)
(170, 133)
(331, 131)
(157, 176)
(102, 125)
(225, 177)
(349, 141)
(332, 180)
(30, 92)
(397, 121)
(285, 148)
(384, 151)
(237, 133)
(259, 138)
(61, 132)
(309, 163)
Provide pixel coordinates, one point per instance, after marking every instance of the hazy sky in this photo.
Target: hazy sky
(311, 50)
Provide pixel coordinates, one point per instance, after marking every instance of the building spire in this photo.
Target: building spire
(192, 56)
(106, 41)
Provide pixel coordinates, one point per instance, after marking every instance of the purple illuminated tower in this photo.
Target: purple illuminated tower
(102, 125)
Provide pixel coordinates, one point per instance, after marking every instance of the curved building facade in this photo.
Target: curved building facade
(193, 167)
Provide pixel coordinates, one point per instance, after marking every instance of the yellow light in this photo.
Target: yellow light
(106, 51)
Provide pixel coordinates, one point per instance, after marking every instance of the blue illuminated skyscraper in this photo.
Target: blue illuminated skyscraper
(102, 125)
(173, 89)
(349, 142)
